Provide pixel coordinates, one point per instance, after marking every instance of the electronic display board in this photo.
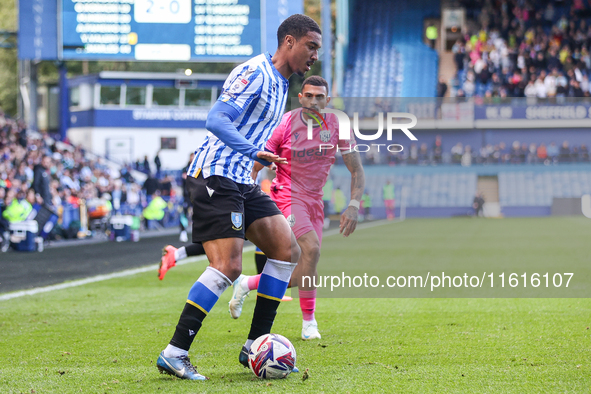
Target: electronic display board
(160, 30)
(150, 30)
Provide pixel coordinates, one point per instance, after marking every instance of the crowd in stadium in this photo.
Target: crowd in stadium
(466, 155)
(525, 49)
(35, 169)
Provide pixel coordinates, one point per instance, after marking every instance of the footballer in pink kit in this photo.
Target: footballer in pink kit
(297, 190)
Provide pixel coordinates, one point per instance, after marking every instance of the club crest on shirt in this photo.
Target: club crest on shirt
(291, 220)
(236, 220)
(325, 135)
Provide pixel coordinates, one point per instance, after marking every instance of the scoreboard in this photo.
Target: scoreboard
(173, 30)
(150, 30)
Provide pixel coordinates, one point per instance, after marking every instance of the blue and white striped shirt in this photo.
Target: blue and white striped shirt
(259, 93)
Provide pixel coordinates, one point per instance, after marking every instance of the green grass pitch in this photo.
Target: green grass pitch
(105, 337)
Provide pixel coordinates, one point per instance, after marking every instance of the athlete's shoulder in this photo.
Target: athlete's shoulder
(284, 128)
(289, 116)
(249, 67)
(331, 121)
(286, 119)
(255, 62)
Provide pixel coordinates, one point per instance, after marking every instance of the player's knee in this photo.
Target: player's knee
(313, 251)
(310, 247)
(296, 252)
(233, 271)
(231, 268)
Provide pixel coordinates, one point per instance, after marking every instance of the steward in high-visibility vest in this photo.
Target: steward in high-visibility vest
(432, 35)
(155, 209)
(388, 196)
(340, 202)
(366, 202)
(17, 211)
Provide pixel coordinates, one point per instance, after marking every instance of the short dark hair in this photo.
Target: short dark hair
(315, 80)
(297, 25)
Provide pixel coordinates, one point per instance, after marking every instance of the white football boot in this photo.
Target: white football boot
(310, 330)
(238, 296)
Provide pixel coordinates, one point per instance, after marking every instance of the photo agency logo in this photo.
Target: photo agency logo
(392, 119)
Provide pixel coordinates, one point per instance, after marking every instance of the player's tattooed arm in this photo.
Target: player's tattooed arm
(349, 217)
(353, 162)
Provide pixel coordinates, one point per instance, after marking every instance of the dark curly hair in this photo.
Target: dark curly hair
(297, 25)
(315, 80)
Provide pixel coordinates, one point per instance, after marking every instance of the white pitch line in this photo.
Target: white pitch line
(100, 278)
(147, 268)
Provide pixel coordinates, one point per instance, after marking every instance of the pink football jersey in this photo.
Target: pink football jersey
(308, 160)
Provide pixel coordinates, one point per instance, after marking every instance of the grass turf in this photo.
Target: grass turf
(105, 337)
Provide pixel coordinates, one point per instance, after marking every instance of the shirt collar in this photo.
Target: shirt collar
(275, 71)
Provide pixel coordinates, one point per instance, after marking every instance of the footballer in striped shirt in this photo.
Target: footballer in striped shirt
(228, 206)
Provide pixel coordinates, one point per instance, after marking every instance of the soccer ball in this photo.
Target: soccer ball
(271, 356)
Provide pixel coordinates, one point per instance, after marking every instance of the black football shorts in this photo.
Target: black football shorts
(223, 208)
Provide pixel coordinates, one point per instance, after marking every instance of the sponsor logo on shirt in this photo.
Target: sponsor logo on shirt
(238, 86)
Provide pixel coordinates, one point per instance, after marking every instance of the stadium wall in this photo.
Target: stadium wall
(129, 144)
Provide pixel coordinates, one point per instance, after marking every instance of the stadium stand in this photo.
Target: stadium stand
(74, 175)
(516, 49)
(523, 190)
(387, 57)
(446, 191)
(529, 188)
(461, 152)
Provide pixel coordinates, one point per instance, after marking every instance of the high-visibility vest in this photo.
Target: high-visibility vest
(155, 209)
(388, 192)
(327, 190)
(366, 199)
(17, 211)
(339, 201)
(431, 33)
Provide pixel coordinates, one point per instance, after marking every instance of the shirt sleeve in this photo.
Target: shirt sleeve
(220, 122)
(278, 134)
(242, 87)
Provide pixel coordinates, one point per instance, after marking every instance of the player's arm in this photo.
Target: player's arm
(258, 167)
(255, 170)
(349, 217)
(220, 121)
(272, 146)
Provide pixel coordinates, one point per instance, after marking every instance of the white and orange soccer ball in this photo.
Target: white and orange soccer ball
(271, 356)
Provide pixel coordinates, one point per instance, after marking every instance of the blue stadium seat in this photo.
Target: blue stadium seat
(388, 32)
(538, 189)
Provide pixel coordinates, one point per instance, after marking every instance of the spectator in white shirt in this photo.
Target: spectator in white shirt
(541, 90)
(530, 89)
(550, 82)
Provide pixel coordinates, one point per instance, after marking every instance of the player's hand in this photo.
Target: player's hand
(271, 157)
(348, 221)
(272, 167)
